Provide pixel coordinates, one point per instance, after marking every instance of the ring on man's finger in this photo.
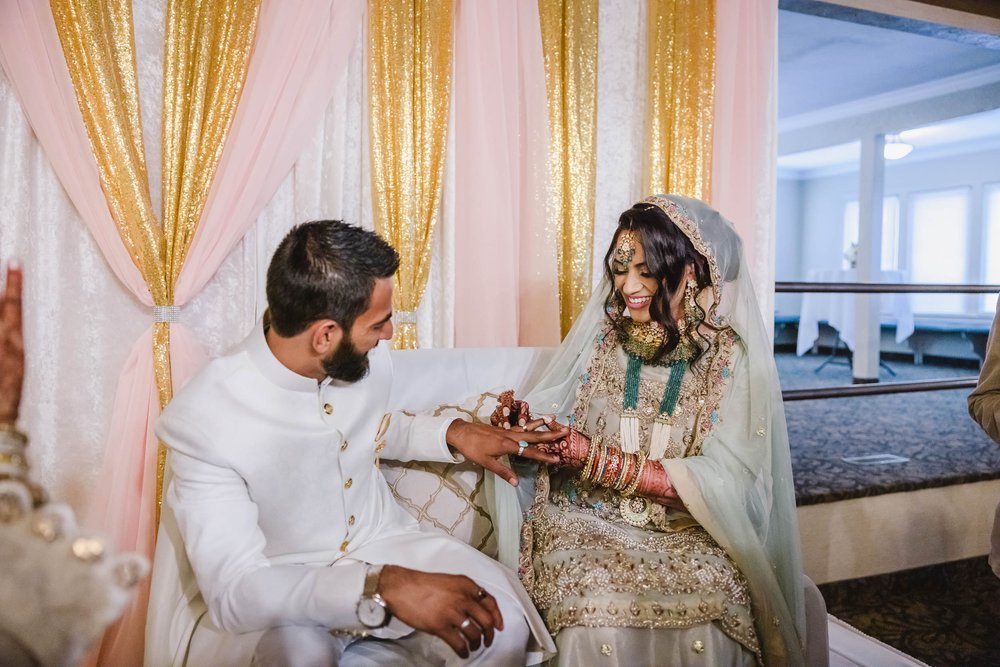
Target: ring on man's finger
(481, 593)
(466, 623)
(522, 445)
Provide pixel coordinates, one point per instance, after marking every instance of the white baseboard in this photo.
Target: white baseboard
(862, 537)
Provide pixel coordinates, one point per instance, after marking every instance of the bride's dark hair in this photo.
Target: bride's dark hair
(667, 251)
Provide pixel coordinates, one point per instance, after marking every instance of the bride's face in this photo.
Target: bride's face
(632, 278)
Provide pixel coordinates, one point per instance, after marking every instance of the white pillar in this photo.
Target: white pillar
(871, 192)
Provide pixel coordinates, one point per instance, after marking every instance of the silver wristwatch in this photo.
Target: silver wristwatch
(373, 612)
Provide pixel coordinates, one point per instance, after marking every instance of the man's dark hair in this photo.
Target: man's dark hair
(325, 269)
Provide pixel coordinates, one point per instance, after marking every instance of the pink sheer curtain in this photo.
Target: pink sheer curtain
(32, 57)
(744, 161)
(505, 268)
(300, 54)
(297, 59)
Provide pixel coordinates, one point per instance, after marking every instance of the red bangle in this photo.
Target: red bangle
(614, 467)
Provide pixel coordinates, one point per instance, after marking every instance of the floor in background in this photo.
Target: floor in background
(932, 431)
(945, 615)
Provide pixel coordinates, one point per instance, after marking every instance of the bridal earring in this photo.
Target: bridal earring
(690, 306)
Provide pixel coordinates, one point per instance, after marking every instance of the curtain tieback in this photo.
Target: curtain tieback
(167, 314)
(405, 316)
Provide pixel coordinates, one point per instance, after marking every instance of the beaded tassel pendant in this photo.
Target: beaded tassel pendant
(628, 427)
(659, 438)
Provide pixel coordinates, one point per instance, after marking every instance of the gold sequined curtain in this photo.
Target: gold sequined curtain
(206, 50)
(99, 47)
(680, 97)
(207, 47)
(409, 91)
(569, 41)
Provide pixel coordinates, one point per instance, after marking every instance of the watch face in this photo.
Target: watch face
(372, 613)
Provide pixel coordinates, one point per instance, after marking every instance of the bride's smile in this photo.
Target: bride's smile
(638, 302)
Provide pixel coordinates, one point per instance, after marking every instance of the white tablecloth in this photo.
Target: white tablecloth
(837, 309)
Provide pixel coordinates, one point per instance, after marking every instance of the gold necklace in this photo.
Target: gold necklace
(643, 339)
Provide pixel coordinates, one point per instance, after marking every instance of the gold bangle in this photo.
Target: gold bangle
(628, 470)
(614, 466)
(38, 496)
(14, 459)
(11, 431)
(599, 464)
(633, 470)
(591, 453)
(634, 483)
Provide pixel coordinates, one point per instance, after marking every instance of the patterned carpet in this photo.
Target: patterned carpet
(931, 430)
(945, 615)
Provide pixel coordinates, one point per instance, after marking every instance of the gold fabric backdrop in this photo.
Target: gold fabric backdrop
(569, 42)
(409, 93)
(680, 97)
(206, 51)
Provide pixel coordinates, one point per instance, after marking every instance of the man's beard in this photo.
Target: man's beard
(346, 364)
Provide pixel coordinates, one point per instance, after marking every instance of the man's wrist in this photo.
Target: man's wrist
(372, 579)
(452, 435)
(373, 611)
(454, 428)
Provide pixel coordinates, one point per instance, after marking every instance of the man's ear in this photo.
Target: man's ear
(324, 336)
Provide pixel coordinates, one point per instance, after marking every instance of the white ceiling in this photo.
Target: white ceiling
(969, 133)
(825, 62)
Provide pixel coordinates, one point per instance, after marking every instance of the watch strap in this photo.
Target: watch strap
(371, 581)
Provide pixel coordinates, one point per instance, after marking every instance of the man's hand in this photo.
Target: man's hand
(484, 444)
(449, 606)
(11, 348)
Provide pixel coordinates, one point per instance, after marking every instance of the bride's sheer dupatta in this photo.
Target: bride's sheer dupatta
(740, 487)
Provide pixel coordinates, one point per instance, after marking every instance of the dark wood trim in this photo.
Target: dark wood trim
(990, 8)
(833, 10)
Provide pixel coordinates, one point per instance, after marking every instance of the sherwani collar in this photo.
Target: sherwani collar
(272, 369)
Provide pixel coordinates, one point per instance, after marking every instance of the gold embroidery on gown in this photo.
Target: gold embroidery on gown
(585, 566)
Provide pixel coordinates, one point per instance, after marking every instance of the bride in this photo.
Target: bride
(667, 534)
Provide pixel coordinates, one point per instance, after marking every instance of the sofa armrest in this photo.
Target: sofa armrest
(423, 379)
(817, 626)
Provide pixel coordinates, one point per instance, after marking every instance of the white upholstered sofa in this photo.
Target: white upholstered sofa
(447, 497)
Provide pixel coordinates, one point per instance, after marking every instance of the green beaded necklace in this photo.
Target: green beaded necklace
(629, 424)
(641, 341)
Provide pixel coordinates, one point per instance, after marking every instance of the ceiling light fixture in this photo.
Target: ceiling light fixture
(895, 147)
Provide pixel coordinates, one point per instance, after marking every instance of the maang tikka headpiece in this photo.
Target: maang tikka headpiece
(625, 250)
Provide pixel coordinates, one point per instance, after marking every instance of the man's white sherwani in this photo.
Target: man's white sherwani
(278, 497)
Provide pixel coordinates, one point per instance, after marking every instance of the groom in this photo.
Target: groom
(289, 526)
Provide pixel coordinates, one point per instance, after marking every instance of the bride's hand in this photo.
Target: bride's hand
(510, 413)
(11, 347)
(571, 450)
(535, 423)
